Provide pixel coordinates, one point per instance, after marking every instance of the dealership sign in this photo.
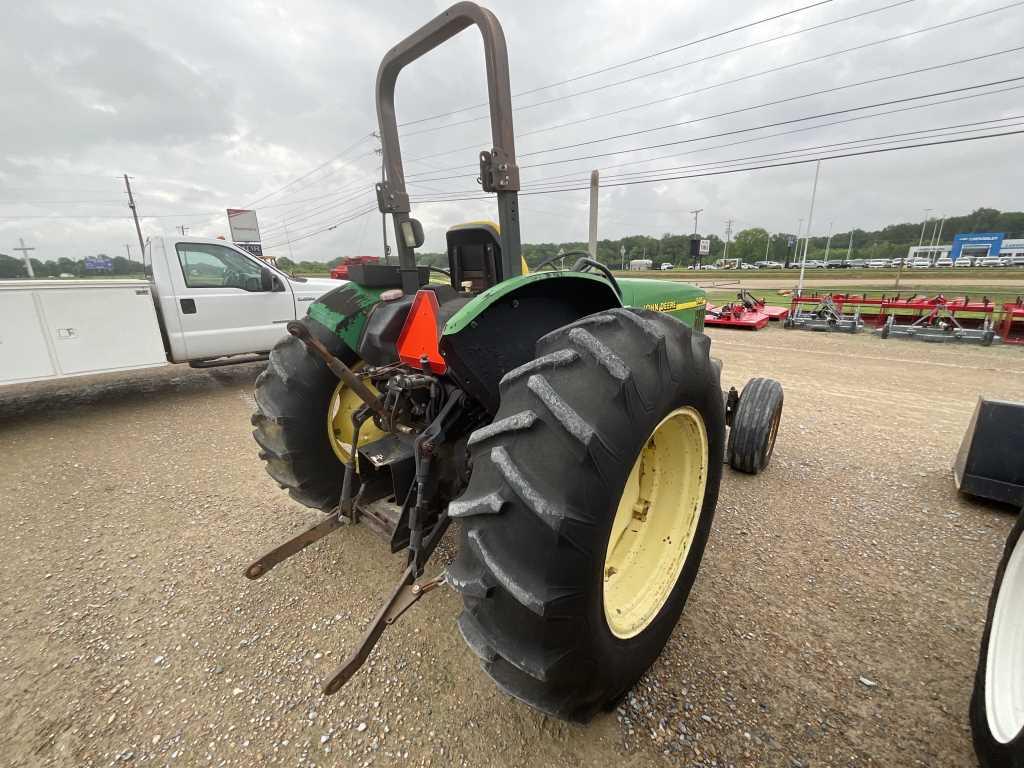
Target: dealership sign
(992, 241)
(244, 228)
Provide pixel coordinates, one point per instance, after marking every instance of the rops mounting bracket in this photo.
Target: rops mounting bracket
(498, 172)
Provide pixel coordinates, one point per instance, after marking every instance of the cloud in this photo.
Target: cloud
(210, 106)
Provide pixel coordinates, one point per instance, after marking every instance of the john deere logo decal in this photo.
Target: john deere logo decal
(675, 306)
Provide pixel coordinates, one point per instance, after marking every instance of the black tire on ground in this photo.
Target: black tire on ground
(885, 331)
(547, 477)
(755, 426)
(993, 752)
(293, 395)
(987, 338)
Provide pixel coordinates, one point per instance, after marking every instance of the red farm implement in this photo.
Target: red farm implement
(929, 318)
(746, 313)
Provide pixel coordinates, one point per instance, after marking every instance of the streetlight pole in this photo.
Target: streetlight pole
(796, 243)
(849, 247)
(810, 220)
(924, 223)
(828, 243)
(767, 245)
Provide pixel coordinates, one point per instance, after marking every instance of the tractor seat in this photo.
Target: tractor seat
(474, 255)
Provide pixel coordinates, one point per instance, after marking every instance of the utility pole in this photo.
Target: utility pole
(767, 245)
(24, 254)
(696, 213)
(383, 216)
(135, 214)
(828, 243)
(622, 256)
(810, 221)
(288, 239)
(728, 237)
(595, 186)
(128, 248)
(924, 223)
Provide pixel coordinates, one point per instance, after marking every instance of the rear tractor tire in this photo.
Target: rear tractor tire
(997, 704)
(293, 398)
(590, 501)
(755, 425)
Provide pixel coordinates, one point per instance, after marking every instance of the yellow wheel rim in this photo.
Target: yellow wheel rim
(344, 402)
(655, 522)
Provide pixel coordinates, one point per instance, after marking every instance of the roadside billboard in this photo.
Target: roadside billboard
(98, 264)
(244, 227)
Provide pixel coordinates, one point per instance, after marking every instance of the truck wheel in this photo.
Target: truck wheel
(755, 426)
(293, 398)
(588, 507)
(997, 705)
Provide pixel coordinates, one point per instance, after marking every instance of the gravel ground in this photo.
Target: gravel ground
(835, 620)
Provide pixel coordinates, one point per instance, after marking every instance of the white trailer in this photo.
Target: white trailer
(206, 301)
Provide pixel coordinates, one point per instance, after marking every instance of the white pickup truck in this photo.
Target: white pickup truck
(205, 300)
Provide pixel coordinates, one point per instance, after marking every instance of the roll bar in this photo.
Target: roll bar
(498, 170)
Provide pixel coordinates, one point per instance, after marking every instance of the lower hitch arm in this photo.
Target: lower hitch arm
(405, 593)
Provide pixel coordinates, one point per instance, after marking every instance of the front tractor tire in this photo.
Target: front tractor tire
(997, 704)
(293, 400)
(590, 502)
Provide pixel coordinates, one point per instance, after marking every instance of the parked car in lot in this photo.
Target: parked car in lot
(666, 265)
(815, 264)
(878, 264)
(1017, 260)
(921, 263)
(991, 261)
(856, 263)
(767, 265)
(745, 265)
(964, 261)
(943, 262)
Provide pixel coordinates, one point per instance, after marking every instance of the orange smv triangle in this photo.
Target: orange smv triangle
(420, 334)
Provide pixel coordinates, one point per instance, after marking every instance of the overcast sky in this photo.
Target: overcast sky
(215, 105)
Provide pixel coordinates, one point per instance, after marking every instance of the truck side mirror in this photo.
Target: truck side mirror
(269, 281)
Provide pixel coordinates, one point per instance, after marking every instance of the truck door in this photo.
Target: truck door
(225, 302)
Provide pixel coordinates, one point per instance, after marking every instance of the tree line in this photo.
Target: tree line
(749, 245)
(11, 267)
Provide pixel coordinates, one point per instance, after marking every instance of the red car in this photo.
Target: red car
(340, 272)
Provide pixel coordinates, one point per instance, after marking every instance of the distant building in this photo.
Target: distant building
(974, 245)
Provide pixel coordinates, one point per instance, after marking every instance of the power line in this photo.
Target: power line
(804, 129)
(306, 175)
(878, 140)
(761, 73)
(672, 68)
(720, 134)
(611, 67)
(335, 225)
(743, 170)
(319, 210)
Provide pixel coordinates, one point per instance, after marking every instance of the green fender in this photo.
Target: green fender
(684, 302)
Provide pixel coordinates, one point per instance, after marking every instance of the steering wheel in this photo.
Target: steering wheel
(587, 264)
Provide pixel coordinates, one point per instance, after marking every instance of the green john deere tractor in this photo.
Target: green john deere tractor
(572, 423)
